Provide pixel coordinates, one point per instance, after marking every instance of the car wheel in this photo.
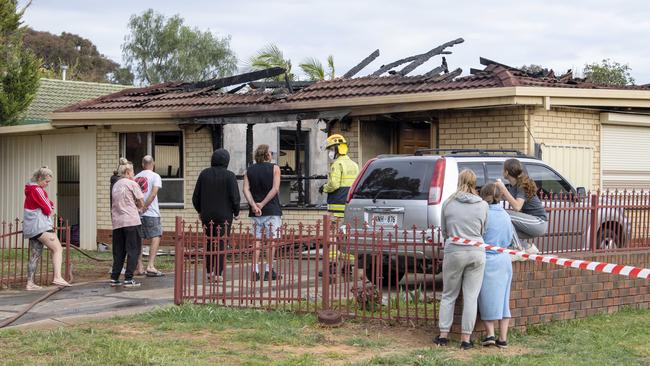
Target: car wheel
(609, 239)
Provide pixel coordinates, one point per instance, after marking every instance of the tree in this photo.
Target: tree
(271, 56)
(160, 49)
(84, 61)
(18, 65)
(314, 69)
(608, 72)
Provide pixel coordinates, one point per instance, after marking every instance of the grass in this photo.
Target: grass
(202, 335)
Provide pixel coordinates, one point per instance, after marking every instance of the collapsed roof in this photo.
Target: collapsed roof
(253, 93)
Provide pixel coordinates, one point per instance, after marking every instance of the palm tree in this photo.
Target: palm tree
(271, 56)
(314, 70)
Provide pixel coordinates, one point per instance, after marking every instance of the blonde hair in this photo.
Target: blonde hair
(261, 152)
(491, 194)
(124, 166)
(41, 174)
(466, 182)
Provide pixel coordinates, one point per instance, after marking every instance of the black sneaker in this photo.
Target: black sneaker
(256, 276)
(131, 283)
(115, 283)
(489, 341)
(440, 341)
(501, 344)
(273, 276)
(466, 345)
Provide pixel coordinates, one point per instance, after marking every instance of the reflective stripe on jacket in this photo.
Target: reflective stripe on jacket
(343, 172)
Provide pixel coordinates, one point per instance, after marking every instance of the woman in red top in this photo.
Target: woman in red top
(38, 226)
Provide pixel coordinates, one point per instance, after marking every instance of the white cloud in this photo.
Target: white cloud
(555, 34)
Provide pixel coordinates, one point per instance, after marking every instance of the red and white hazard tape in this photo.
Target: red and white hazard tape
(573, 263)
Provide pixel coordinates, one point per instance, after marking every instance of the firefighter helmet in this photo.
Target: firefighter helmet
(338, 141)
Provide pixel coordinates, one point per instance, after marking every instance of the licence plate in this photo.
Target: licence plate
(384, 219)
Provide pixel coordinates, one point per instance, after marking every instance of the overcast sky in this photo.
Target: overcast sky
(556, 34)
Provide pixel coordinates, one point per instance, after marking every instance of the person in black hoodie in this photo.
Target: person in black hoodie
(216, 199)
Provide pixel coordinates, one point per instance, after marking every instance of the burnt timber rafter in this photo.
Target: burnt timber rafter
(361, 65)
(416, 60)
(237, 79)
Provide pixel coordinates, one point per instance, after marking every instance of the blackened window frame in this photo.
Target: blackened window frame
(151, 151)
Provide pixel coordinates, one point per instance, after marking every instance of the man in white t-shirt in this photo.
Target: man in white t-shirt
(151, 227)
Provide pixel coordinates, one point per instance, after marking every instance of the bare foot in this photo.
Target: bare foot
(31, 286)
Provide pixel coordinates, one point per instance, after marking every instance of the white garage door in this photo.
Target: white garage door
(625, 157)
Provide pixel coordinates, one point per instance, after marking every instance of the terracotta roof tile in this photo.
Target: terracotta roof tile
(178, 96)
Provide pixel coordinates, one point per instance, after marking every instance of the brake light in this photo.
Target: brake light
(437, 181)
(356, 181)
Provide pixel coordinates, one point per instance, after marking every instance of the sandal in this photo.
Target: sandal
(155, 273)
(33, 287)
(63, 283)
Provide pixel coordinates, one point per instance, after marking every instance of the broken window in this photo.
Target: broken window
(167, 151)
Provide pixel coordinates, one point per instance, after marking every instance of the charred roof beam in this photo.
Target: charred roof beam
(416, 60)
(361, 65)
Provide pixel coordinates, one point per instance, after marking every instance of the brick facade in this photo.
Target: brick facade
(543, 292)
(497, 128)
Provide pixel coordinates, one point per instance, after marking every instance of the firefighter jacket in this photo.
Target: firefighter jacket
(343, 172)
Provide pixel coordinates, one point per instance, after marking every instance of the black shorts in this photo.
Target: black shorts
(39, 235)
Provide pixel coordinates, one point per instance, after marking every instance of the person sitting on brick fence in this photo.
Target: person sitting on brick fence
(464, 215)
(493, 301)
(526, 212)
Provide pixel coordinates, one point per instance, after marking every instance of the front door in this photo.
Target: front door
(413, 136)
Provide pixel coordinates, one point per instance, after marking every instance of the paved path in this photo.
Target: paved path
(83, 302)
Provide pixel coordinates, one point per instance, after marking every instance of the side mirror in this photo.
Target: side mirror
(582, 192)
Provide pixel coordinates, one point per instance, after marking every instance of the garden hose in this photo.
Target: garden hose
(7, 322)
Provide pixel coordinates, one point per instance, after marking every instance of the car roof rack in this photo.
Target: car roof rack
(481, 152)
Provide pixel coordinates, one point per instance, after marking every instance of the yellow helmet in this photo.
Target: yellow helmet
(335, 140)
(339, 141)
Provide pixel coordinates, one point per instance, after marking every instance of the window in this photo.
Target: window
(407, 180)
(287, 160)
(167, 151)
(547, 180)
(477, 168)
(494, 172)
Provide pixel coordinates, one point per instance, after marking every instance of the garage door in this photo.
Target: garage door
(625, 157)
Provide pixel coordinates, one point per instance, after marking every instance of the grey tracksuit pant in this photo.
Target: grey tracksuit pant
(527, 226)
(461, 269)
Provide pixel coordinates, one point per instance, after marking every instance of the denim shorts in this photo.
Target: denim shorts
(261, 224)
(150, 228)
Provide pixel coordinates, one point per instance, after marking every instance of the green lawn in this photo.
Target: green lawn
(209, 335)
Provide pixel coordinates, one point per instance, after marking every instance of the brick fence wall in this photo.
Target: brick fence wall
(543, 292)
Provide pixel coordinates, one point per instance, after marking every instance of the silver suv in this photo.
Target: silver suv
(408, 191)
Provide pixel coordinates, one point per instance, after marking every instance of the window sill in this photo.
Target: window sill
(164, 206)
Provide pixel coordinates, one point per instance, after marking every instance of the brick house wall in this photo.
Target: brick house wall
(496, 128)
(197, 156)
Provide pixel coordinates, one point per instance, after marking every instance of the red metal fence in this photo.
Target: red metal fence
(375, 271)
(15, 253)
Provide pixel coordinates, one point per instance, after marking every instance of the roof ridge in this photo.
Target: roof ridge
(84, 82)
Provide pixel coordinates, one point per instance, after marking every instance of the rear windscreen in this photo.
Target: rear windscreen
(390, 179)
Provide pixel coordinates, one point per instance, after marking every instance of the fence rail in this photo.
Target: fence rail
(15, 254)
(371, 271)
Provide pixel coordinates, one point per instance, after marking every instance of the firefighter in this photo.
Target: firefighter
(343, 172)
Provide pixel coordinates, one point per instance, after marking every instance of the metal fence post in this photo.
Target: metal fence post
(326, 262)
(179, 271)
(68, 267)
(593, 229)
